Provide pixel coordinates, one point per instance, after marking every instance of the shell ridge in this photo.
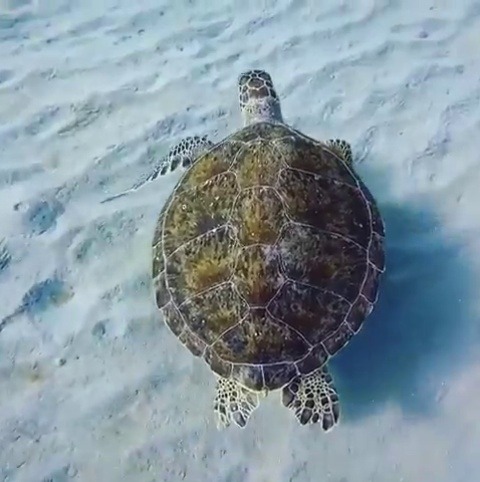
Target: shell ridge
(365, 277)
(286, 325)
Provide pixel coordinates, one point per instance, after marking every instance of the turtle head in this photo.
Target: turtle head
(258, 100)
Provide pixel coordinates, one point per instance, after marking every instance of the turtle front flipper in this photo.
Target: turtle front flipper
(313, 398)
(233, 403)
(342, 149)
(181, 154)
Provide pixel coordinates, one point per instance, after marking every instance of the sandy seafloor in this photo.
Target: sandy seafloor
(93, 387)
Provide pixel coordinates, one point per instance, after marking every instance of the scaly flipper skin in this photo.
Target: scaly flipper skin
(180, 155)
(313, 398)
(233, 403)
(341, 148)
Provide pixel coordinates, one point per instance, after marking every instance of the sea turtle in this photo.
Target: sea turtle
(267, 258)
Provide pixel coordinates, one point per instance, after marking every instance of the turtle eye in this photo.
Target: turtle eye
(243, 79)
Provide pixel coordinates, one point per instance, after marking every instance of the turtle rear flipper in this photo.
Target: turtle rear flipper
(181, 154)
(313, 398)
(233, 403)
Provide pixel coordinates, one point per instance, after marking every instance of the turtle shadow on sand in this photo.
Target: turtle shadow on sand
(419, 326)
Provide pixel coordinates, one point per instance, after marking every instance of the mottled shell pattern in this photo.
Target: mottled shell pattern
(267, 256)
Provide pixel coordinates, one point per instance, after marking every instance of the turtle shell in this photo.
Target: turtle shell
(267, 256)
